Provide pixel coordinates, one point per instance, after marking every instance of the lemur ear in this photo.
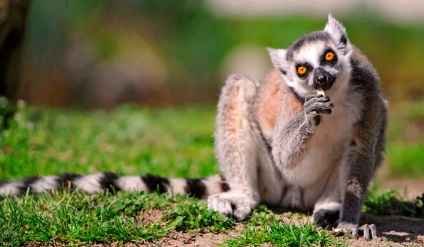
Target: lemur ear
(339, 35)
(278, 58)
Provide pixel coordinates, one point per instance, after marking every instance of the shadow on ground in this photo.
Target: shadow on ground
(396, 228)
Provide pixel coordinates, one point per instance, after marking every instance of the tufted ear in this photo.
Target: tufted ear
(278, 58)
(338, 32)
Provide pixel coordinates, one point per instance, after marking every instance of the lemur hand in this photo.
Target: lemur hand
(316, 105)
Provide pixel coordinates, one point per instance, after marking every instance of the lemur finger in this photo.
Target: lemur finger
(220, 205)
(320, 106)
(241, 212)
(355, 232)
(228, 208)
(323, 111)
(311, 96)
(326, 106)
(366, 230)
(374, 234)
(370, 232)
(316, 100)
(315, 97)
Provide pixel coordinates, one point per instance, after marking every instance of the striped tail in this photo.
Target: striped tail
(107, 181)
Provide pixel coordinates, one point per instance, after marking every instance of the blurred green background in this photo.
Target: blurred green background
(99, 54)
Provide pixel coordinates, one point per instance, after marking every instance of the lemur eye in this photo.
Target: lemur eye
(329, 56)
(301, 70)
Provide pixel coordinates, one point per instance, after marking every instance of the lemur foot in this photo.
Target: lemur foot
(231, 204)
(316, 105)
(326, 218)
(369, 231)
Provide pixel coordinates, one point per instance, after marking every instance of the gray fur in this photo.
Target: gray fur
(322, 158)
(244, 138)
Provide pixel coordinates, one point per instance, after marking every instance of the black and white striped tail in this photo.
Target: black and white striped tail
(107, 181)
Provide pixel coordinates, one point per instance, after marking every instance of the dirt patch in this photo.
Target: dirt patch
(397, 229)
(151, 216)
(200, 239)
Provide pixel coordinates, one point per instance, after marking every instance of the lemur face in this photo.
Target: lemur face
(317, 60)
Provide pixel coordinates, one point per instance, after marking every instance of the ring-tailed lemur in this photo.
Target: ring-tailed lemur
(279, 142)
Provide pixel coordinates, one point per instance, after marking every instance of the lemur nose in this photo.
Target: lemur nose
(323, 79)
(321, 75)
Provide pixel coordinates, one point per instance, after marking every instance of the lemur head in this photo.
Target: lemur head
(319, 59)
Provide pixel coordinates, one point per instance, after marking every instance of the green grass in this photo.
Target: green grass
(127, 141)
(392, 203)
(79, 218)
(130, 140)
(75, 218)
(405, 149)
(283, 234)
(406, 159)
(265, 227)
(197, 217)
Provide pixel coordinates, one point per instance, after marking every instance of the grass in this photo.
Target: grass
(130, 140)
(283, 234)
(79, 218)
(405, 149)
(75, 219)
(392, 203)
(265, 227)
(126, 141)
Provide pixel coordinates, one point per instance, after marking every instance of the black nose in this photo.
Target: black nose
(323, 79)
(320, 75)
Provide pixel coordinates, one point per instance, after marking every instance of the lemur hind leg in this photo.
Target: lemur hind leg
(327, 209)
(237, 143)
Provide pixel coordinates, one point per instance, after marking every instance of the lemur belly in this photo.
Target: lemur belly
(323, 151)
(307, 180)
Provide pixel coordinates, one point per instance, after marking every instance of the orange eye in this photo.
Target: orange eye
(329, 56)
(301, 70)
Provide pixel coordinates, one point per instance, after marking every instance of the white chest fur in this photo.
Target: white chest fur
(327, 144)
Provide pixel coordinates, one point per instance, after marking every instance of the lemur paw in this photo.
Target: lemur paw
(316, 105)
(369, 231)
(326, 218)
(231, 204)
